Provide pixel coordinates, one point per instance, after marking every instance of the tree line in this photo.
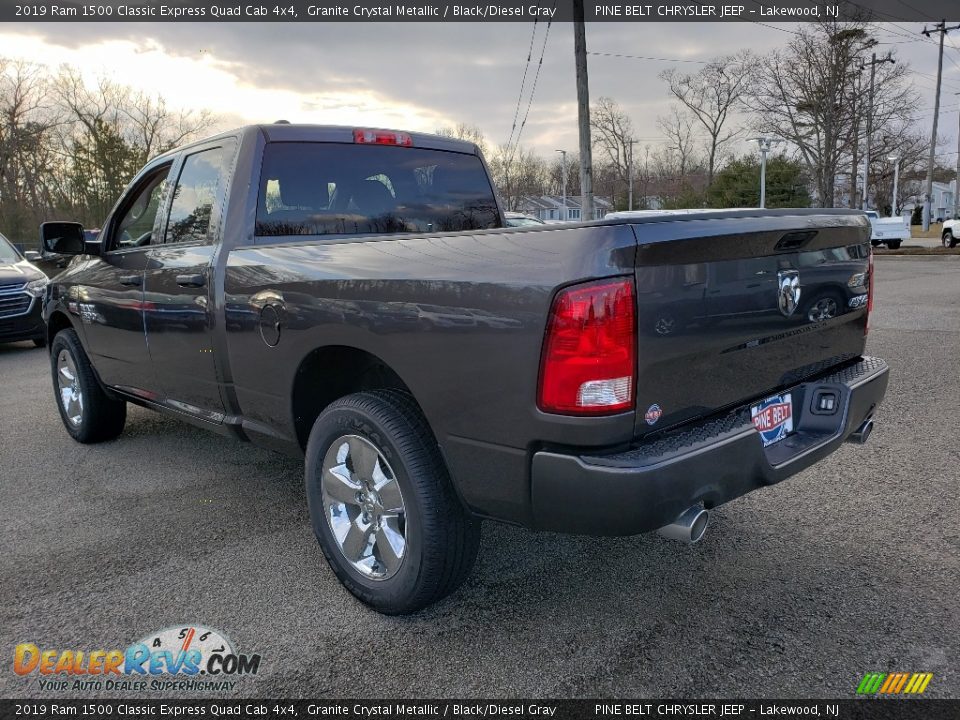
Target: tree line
(811, 95)
(68, 147)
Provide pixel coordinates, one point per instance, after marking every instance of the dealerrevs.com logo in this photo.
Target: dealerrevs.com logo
(184, 658)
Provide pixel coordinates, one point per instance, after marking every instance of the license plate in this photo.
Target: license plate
(773, 418)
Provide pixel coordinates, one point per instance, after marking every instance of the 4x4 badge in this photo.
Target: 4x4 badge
(788, 291)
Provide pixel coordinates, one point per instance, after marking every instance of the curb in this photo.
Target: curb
(918, 256)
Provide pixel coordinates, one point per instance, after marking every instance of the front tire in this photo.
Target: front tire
(949, 241)
(88, 414)
(893, 244)
(40, 342)
(382, 505)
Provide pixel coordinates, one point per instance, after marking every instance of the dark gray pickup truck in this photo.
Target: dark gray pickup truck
(353, 296)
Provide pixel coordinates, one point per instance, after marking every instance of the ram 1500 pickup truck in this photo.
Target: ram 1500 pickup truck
(353, 296)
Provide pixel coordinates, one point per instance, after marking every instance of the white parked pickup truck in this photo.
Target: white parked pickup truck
(951, 233)
(890, 231)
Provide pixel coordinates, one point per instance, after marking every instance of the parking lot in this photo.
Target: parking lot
(796, 591)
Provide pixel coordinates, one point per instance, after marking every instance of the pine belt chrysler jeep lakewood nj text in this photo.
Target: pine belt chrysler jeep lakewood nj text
(353, 295)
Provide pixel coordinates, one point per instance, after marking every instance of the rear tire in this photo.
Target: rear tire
(949, 241)
(88, 414)
(40, 342)
(382, 505)
(893, 244)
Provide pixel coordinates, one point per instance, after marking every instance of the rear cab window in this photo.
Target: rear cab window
(312, 188)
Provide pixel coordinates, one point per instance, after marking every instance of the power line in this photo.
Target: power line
(774, 27)
(536, 77)
(526, 68)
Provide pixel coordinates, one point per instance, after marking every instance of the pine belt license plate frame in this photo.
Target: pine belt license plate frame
(773, 418)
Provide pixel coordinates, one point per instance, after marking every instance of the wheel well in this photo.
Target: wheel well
(329, 373)
(58, 321)
(824, 290)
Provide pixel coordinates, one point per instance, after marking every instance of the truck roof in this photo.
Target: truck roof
(289, 132)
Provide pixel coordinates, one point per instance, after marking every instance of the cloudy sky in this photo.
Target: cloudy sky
(429, 75)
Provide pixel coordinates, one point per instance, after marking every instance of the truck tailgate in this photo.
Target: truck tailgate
(731, 309)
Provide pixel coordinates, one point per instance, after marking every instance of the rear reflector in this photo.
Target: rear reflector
(589, 353)
(382, 137)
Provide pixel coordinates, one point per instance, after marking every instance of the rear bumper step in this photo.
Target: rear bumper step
(707, 464)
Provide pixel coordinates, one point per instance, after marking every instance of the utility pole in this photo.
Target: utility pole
(766, 144)
(895, 159)
(956, 190)
(855, 151)
(630, 175)
(866, 166)
(940, 27)
(563, 174)
(583, 112)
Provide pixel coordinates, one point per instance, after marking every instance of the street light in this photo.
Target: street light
(895, 159)
(766, 144)
(563, 174)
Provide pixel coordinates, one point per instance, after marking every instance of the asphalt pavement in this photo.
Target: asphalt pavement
(797, 590)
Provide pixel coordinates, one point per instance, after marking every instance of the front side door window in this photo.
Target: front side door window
(194, 197)
(135, 225)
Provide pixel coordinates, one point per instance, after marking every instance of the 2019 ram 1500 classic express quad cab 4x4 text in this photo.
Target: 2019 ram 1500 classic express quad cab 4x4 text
(354, 296)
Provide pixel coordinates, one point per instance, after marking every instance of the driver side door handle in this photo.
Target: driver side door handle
(131, 280)
(191, 281)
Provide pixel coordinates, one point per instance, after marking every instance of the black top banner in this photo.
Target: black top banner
(119, 709)
(478, 11)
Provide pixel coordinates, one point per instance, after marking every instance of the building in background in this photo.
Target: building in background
(550, 207)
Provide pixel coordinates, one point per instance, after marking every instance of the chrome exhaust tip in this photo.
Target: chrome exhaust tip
(689, 527)
(860, 435)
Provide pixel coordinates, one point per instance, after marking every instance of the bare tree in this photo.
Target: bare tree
(464, 131)
(555, 175)
(807, 94)
(109, 132)
(153, 128)
(28, 122)
(612, 133)
(678, 126)
(517, 172)
(711, 95)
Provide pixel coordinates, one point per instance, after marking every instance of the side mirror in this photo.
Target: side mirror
(63, 238)
(32, 256)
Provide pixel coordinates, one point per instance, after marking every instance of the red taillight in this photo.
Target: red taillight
(382, 137)
(866, 328)
(589, 354)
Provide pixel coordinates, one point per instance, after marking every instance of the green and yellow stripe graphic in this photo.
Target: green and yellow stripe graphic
(894, 683)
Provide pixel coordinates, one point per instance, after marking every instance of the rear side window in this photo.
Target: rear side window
(345, 189)
(194, 197)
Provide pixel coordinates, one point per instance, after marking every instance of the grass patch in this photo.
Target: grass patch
(935, 231)
(914, 250)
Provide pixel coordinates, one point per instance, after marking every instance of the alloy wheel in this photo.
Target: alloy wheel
(68, 385)
(364, 507)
